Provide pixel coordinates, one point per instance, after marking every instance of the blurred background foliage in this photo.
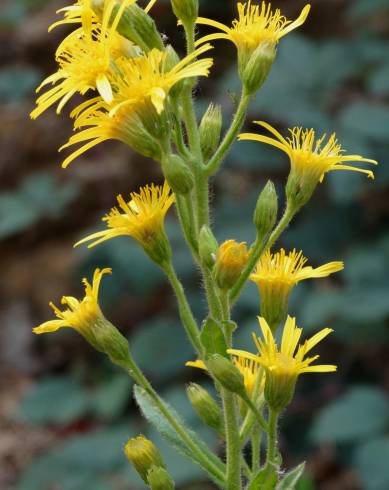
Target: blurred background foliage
(65, 413)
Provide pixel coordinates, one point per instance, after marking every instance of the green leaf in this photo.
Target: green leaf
(290, 480)
(371, 462)
(212, 338)
(153, 414)
(361, 413)
(265, 479)
(162, 348)
(71, 402)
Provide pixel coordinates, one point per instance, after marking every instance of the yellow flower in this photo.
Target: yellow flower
(310, 157)
(79, 314)
(283, 365)
(82, 11)
(86, 317)
(85, 62)
(141, 218)
(96, 125)
(277, 274)
(146, 79)
(249, 369)
(256, 25)
(231, 259)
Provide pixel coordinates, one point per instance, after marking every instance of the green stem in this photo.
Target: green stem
(255, 449)
(205, 459)
(214, 304)
(246, 468)
(230, 137)
(186, 314)
(272, 438)
(232, 441)
(258, 249)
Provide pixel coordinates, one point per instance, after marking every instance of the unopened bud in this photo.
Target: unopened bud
(186, 10)
(137, 26)
(210, 129)
(227, 374)
(231, 260)
(208, 246)
(255, 70)
(177, 174)
(159, 479)
(265, 215)
(143, 455)
(205, 406)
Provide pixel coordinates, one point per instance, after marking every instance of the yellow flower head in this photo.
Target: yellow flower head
(277, 274)
(85, 62)
(249, 369)
(79, 315)
(231, 259)
(83, 11)
(147, 79)
(256, 25)
(141, 218)
(283, 365)
(96, 125)
(311, 158)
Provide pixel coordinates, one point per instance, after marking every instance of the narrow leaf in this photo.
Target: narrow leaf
(212, 338)
(153, 414)
(291, 479)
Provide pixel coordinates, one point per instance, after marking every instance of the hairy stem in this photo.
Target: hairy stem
(232, 441)
(272, 438)
(230, 137)
(186, 314)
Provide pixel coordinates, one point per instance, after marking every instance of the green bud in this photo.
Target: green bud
(208, 246)
(265, 215)
(177, 174)
(140, 28)
(205, 406)
(186, 10)
(210, 130)
(232, 258)
(255, 71)
(227, 374)
(159, 479)
(143, 455)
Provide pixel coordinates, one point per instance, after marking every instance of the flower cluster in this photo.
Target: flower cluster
(139, 91)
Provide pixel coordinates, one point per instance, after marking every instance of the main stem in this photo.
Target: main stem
(232, 441)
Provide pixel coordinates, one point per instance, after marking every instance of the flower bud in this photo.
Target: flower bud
(137, 26)
(210, 129)
(177, 174)
(231, 259)
(159, 479)
(186, 10)
(143, 455)
(205, 406)
(227, 374)
(208, 246)
(265, 215)
(255, 70)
